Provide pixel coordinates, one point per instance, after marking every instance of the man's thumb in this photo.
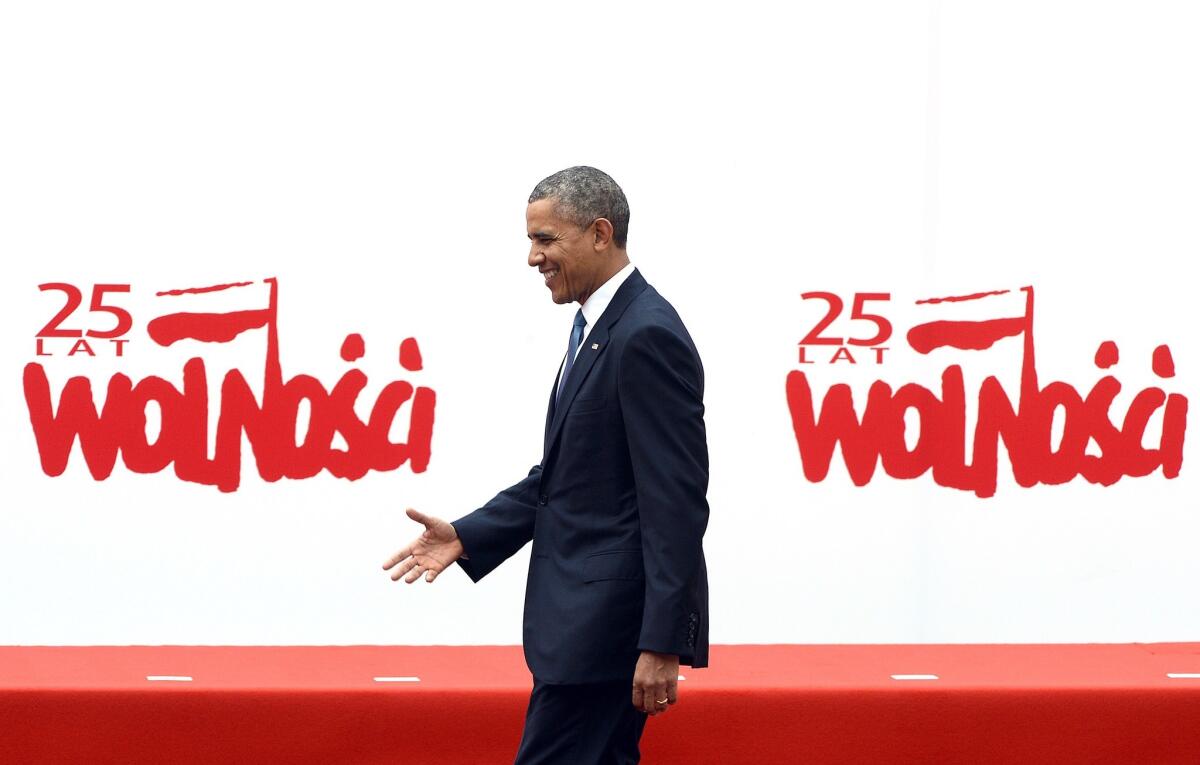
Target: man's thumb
(417, 516)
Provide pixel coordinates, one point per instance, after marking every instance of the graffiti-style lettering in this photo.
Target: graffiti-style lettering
(269, 426)
(1025, 427)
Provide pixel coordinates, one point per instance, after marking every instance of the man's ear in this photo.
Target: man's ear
(604, 234)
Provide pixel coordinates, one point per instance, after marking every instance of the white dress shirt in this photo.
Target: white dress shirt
(593, 307)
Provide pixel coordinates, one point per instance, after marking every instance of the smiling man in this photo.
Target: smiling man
(617, 591)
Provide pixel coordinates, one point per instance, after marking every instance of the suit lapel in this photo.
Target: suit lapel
(595, 344)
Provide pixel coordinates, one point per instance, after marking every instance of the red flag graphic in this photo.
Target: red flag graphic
(207, 327)
(967, 335)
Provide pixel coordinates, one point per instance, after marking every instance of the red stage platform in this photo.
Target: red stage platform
(1090, 703)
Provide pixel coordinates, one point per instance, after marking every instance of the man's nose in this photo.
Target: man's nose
(536, 256)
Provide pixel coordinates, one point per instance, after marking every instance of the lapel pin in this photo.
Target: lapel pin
(595, 346)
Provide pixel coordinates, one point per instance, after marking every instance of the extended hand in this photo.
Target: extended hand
(430, 553)
(654, 682)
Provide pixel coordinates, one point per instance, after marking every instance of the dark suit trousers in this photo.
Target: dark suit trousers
(584, 724)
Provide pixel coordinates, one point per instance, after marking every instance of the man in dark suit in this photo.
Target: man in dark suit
(617, 592)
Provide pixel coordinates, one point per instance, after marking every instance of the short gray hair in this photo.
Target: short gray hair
(582, 194)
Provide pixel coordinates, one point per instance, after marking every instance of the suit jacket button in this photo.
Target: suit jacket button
(543, 499)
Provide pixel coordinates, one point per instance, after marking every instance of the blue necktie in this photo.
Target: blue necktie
(572, 347)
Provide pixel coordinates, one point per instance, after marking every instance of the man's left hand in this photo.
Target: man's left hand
(655, 681)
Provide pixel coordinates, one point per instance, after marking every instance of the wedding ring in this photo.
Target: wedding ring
(660, 701)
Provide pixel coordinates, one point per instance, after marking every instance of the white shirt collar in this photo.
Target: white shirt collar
(593, 307)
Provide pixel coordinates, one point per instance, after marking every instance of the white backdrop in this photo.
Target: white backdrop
(376, 158)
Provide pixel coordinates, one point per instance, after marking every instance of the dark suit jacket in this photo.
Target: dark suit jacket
(617, 508)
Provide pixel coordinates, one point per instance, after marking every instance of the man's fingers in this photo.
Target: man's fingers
(673, 689)
(646, 695)
(404, 553)
(651, 707)
(660, 693)
(430, 575)
(415, 574)
(403, 569)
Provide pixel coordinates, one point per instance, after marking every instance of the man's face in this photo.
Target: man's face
(562, 252)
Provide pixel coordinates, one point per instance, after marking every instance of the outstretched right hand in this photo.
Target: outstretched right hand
(429, 553)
